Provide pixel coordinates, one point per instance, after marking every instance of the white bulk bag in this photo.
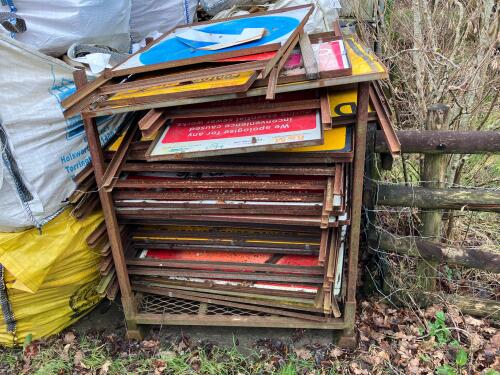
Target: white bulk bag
(40, 150)
(325, 13)
(159, 15)
(54, 25)
(213, 7)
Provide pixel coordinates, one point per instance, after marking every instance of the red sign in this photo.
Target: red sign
(203, 129)
(332, 56)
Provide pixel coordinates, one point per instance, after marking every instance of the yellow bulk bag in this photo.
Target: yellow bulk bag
(49, 278)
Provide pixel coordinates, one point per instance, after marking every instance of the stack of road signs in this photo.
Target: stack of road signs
(234, 187)
(271, 221)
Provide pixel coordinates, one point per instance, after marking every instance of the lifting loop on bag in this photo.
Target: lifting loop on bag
(8, 315)
(10, 20)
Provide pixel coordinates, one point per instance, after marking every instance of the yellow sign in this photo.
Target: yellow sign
(336, 139)
(205, 83)
(343, 102)
(363, 60)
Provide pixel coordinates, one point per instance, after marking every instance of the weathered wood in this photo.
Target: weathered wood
(443, 142)
(310, 64)
(436, 252)
(432, 176)
(435, 198)
(476, 306)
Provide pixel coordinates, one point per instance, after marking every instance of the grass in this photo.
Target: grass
(390, 339)
(92, 355)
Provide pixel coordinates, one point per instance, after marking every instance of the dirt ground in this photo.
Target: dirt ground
(110, 314)
(438, 340)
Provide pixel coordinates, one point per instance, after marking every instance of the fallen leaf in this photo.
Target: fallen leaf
(473, 321)
(495, 341)
(159, 366)
(65, 352)
(430, 312)
(79, 358)
(414, 366)
(490, 330)
(303, 354)
(105, 368)
(476, 341)
(30, 351)
(69, 338)
(150, 344)
(336, 352)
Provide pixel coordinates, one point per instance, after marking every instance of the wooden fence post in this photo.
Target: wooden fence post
(432, 176)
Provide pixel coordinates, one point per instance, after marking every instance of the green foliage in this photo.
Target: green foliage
(462, 357)
(425, 358)
(27, 340)
(446, 370)
(389, 5)
(439, 330)
(288, 369)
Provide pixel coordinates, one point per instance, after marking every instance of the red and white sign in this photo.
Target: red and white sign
(238, 134)
(331, 56)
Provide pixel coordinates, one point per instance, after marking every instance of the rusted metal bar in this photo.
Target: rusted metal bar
(213, 109)
(226, 266)
(227, 248)
(234, 299)
(204, 167)
(385, 123)
(223, 234)
(238, 321)
(227, 219)
(246, 287)
(285, 278)
(221, 195)
(199, 241)
(114, 167)
(243, 208)
(221, 184)
(208, 299)
(357, 196)
(112, 226)
(180, 77)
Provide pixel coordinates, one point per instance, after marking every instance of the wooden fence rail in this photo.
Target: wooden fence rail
(432, 196)
(418, 247)
(443, 142)
(435, 198)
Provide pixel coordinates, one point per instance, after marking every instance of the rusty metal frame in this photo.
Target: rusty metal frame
(384, 120)
(131, 300)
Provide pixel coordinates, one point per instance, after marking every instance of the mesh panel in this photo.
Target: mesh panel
(225, 310)
(154, 304)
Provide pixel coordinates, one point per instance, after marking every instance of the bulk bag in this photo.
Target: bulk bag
(159, 15)
(47, 281)
(41, 151)
(54, 25)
